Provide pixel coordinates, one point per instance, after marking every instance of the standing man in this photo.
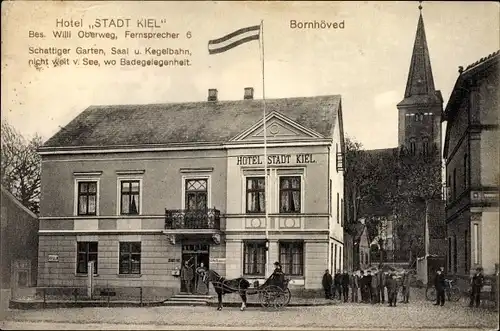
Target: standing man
(187, 276)
(392, 290)
(374, 287)
(477, 283)
(338, 284)
(368, 286)
(345, 286)
(381, 285)
(354, 286)
(440, 285)
(406, 286)
(362, 281)
(327, 284)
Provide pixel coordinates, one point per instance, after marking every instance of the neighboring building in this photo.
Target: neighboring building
(363, 243)
(471, 152)
(19, 243)
(142, 188)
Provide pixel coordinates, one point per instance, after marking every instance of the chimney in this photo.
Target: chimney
(248, 93)
(212, 94)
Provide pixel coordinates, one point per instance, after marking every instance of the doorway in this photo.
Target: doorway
(195, 255)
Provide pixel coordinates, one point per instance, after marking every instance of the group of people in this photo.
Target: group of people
(193, 281)
(367, 287)
(476, 285)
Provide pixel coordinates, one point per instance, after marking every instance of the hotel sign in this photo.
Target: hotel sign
(275, 159)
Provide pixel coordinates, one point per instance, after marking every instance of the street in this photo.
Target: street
(419, 314)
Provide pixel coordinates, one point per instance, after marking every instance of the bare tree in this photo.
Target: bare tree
(20, 166)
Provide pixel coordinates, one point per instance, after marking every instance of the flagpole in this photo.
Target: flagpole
(266, 186)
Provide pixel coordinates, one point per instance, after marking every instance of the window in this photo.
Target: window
(342, 212)
(335, 261)
(256, 198)
(413, 147)
(466, 251)
(449, 253)
(290, 194)
(130, 197)
(196, 194)
(254, 260)
(419, 117)
(338, 208)
(330, 185)
(476, 242)
(130, 258)
(455, 255)
(86, 252)
(340, 258)
(465, 171)
(87, 198)
(454, 191)
(332, 269)
(292, 258)
(425, 146)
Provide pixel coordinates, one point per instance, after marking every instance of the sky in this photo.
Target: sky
(366, 62)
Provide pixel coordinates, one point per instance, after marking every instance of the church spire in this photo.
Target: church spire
(420, 80)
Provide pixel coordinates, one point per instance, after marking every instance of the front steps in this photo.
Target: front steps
(184, 299)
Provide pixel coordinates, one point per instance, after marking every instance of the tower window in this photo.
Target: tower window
(425, 146)
(413, 147)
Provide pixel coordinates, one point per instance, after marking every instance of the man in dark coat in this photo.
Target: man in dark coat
(477, 283)
(362, 282)
(187, 276)
(354, 281)
(327, 284)
(368, 286)
(345, 286)
(338, 284)
(392, 290)
(440, 285)
(381, 285)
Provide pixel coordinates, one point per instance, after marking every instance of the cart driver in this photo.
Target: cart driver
(278, 277)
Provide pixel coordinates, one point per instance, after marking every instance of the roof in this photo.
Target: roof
(10, 196)
(420, 84)
(460, 90)
(190, 122)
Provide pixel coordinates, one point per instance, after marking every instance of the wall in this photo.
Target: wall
(162, 179)
(19, 240)
(489, 240)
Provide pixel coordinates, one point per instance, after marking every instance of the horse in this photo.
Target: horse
(223, 286)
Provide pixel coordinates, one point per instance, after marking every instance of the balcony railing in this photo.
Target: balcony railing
(192, 219)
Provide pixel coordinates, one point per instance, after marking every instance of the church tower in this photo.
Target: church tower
(419, 122)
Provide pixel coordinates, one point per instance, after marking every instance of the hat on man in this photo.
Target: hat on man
(276, 263)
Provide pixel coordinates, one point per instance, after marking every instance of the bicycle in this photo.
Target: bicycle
(452, 292)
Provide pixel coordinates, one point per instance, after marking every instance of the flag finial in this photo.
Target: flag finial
(420, 6)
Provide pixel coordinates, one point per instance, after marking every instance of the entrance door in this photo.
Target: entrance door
(195, 255)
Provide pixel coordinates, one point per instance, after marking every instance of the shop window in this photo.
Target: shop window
(130, 258)
(292, 258)
(196, 194)
(256, 195)
(290, 194)
(130, 190)
(86, 252)
(87, 198)
(254, 261)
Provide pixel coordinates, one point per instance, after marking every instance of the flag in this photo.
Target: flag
(234, 39)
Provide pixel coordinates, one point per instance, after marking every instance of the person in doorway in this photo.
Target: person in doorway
(187, 276)
(201, 286)
(440, 285)
(327, 284)
(477, 283)
(345, 286)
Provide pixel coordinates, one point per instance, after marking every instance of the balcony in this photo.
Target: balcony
(192, 221)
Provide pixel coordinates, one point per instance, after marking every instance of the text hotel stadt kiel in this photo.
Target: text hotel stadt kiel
(139, 189)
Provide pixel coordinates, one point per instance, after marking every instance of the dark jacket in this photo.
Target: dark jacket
(392, 285)
(478, 280)
(345, 280)
(327, 281)
(439, 281)
(382, 277)
(187, 273)
(338, 279)
(367, 280)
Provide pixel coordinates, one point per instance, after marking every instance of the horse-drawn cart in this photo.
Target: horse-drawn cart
(272, 295)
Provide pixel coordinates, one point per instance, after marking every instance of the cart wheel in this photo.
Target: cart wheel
(430, 294)
(288, 296)
(273, 297)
